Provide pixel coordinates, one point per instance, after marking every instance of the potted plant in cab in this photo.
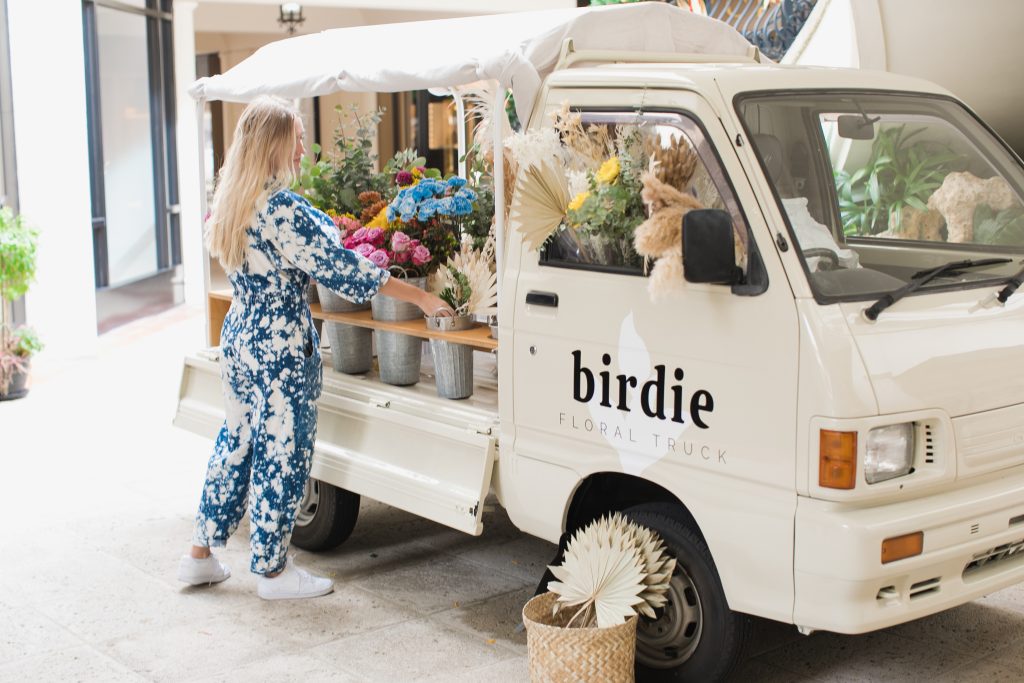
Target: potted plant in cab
(17, 270)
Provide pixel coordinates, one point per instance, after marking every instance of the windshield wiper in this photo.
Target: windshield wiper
(1013, 284)
(922, 278)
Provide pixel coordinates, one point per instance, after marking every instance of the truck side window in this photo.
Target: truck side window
(607, 154)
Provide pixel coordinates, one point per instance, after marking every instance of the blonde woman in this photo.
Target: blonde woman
(270, 241)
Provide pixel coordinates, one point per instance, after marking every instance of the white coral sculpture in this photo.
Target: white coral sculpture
(613, 568)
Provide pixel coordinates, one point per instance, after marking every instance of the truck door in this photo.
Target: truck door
(694, 391)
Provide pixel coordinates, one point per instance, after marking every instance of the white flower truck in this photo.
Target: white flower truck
(827, 431)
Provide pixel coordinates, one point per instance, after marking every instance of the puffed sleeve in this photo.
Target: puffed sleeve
(300, 233)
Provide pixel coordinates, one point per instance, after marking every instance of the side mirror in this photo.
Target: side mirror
(709, 254)
(854, 127)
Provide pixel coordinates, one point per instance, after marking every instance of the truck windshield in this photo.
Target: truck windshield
(877, 187)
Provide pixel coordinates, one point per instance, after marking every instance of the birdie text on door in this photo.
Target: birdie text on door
(615, 391)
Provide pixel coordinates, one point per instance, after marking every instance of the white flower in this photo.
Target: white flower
(535, 147)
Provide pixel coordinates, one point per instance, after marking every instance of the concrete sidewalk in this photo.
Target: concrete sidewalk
(97, 497)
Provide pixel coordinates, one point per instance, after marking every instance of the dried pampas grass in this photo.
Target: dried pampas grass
(478, 267)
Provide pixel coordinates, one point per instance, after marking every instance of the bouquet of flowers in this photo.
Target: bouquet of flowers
(390, 249)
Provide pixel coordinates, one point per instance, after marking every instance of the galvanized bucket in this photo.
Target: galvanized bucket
(351, 347)
(399, 355)
(453, 363)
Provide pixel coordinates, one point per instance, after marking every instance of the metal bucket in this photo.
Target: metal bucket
(399, 355)
(453, 363)
(351, 346)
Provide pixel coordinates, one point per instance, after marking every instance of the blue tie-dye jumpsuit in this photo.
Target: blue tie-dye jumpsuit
(271, 373)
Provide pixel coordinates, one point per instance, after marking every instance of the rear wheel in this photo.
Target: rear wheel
(326, 516)
(695, 637)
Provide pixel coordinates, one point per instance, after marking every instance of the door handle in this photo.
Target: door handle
(542, 299)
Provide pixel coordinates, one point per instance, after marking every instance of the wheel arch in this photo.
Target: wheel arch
(604, 492)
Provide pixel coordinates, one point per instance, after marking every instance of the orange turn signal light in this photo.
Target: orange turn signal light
(837, 460)
(900, 547)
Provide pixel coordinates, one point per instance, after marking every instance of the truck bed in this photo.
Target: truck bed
(404, 446)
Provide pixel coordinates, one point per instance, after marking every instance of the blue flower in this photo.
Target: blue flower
(391, 213)
(461, 206)
(467, 193)
(456, 182)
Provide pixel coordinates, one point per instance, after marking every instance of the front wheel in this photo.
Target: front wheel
(326, 516)
(695, 637)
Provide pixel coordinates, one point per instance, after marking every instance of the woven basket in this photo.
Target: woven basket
(576, 655)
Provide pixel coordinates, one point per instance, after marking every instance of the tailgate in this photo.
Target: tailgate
(403, 446)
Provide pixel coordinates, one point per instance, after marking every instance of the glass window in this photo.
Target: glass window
(605, 185)
(127, 136)
(879, 187)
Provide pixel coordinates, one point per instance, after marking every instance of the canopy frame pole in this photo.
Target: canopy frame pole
(499, 184)
(460, 116)
(201, 125)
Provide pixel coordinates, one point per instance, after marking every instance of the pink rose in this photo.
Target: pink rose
(349, 243)
(375, 236)
(420, 255)
(348, 225)
(365, 249)
(402, 257)
(413, 244)
(380, 258)
(400, 242)
(359, 236)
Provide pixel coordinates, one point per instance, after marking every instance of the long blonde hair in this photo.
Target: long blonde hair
(258, 163)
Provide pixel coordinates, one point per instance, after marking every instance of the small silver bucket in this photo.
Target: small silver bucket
(351, 346)
(453, 363)
(399, 355)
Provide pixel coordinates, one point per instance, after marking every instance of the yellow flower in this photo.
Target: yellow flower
(608, 172)
(380, 220)
(577, 202)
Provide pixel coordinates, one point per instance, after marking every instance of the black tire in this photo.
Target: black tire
(696, 637)
(326, 516)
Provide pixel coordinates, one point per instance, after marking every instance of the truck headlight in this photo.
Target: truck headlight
(889, 452)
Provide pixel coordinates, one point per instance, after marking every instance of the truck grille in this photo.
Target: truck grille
(995, 556)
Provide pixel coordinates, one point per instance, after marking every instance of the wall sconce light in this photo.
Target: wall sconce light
(290, 16)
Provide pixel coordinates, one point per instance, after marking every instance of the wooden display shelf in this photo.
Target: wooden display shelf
(478, 337)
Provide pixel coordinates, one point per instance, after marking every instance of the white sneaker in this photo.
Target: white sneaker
(196, 572)
(293, 582)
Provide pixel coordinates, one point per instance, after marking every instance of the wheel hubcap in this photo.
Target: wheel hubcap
(309, 503)
(670, 639)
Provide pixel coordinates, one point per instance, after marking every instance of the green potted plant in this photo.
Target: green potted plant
(901, 172)
(17, 271)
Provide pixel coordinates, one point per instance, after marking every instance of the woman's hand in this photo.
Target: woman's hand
(435, 307)
(428, 303)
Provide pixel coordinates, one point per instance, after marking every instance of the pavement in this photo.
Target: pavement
(97, 497)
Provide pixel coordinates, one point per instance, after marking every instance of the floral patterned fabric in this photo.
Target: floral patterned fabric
(271, 374)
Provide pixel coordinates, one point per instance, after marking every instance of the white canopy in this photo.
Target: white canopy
(517, 50)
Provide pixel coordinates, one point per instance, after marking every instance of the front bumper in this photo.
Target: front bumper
(973, 545)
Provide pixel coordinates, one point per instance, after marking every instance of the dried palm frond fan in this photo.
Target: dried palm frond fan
(477, 265)
(540, 201)
(613, 568)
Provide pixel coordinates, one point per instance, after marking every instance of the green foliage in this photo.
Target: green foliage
(610, 214)
(999, 227)
(457, 295)
(336, 182)
(17, 254)
(406, 160)
(478, 224)
(24, 342)
(897, 174)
